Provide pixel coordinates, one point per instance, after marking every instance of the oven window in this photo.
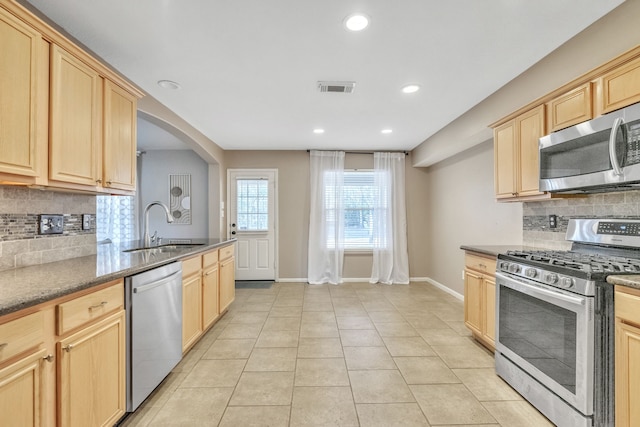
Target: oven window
(541, 333)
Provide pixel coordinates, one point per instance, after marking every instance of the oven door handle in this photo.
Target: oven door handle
(532, 289)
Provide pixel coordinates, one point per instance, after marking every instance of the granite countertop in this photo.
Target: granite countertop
(630, 280)
(494, 250)
(28, 286)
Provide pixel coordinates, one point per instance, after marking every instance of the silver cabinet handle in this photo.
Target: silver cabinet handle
(67, 348)
(3, 345)
(102, 304)
(48, 357)
(613, 155)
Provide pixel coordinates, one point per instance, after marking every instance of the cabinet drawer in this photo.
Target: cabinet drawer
(627, 305)
(21, 334)
(480, 263)
(84, 309)
(191, 266)
(210, 258)
(226, 252)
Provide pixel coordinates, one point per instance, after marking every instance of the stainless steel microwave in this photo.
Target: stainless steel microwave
(599, 155)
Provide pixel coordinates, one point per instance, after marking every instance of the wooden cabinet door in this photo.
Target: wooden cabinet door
(504, 158)
(191, 310)
(19, 96)
(21, 392)
(209, 296)
(621, 87)
(627, 375)
(570, 108)
(489, 311)
(473, 301)
(76, 100)
(119, 153)
(227, 283)
(530, 127)
(92, 374)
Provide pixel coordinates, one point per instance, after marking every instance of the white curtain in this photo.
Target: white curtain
(390, 256)
(326, 219)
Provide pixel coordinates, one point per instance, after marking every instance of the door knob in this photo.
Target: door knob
(233, 225)
(233, 232)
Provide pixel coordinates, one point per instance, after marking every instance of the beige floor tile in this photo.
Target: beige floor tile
(319, 348)
(324, 306)
(519, 413)
(256, 416)
(241, 330)
(386, 316)
(381, 386)
(323, 407)
(189, 360)
(250, 317)
(368, 358)
(190, 407)
(391, 415)
(321, 372)
(396, 329)
(166, 388)
(319, 330)
(445, 336)
(230, 349)
(357, 310)
(486, 385)
(470, 355)
(263, 388)
(285, 312)
(407, 346)
(272, 359)
(360, 338)
(282, 324)
(426, 322)
(355, 322)
(378, 304)
(256, 306)
(277, 339)
(450, 404)
(425, 370)
(214, 373)
(288, 302)
(459, 327)
(141, 417)
(318, 316)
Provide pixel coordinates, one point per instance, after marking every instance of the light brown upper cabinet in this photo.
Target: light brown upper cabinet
(516, 155)
(23, 91)
(621, 86)
(119, 166)
(76, 100)
(571, 108)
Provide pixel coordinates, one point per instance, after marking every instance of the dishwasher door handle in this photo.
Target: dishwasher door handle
(156, 283)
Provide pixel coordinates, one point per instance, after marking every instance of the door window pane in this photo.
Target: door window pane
(252, 204)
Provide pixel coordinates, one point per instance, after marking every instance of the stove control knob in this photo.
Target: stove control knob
(551, 278)
(514, 268)
(504, 266)
(531, 273)
(566, 282)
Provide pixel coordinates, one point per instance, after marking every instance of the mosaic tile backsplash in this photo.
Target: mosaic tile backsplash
(535, 215)
(20, 243)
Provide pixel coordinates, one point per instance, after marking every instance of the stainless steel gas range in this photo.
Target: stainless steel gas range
(555, 320)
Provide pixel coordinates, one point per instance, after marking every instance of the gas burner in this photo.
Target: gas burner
(596, 263)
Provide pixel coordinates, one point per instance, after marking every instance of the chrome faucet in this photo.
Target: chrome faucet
(146, 240)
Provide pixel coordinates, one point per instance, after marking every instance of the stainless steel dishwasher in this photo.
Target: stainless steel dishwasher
(154, 329)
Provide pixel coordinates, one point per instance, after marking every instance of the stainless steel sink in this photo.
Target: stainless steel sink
(169, 247)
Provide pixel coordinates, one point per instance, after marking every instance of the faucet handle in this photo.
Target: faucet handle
(155, 236)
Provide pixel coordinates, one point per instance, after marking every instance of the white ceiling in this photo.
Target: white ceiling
(249, 68)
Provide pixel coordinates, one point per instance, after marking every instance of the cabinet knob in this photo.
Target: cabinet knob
(108, 182)
(48, 357)
(67, 348)
(102, 304)
(98, 181)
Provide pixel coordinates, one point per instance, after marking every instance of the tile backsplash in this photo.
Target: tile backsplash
(20, 243)
(535, 215)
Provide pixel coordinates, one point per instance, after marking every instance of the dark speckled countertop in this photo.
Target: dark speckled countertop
(494, 250)
(25, 287)
(631, 280)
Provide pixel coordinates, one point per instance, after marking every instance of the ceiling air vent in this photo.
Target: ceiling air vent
(339, 87)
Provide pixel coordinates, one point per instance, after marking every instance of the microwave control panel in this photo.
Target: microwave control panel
(633, 143)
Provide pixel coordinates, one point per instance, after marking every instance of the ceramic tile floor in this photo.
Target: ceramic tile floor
(349, 355)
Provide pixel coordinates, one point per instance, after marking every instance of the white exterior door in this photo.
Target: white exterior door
(252, 220)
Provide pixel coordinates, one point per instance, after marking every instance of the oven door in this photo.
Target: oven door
(548, 333)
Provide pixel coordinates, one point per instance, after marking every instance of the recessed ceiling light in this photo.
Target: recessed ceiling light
(318, 131)
(356, 22)
(168, 84)
(386, 131)
(411, 88)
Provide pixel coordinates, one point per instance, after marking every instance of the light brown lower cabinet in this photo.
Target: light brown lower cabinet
(627, 308)
(479, 297)
(73, 375)
(227, 282)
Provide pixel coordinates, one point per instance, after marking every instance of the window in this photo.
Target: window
(253, 204)
(361, 192)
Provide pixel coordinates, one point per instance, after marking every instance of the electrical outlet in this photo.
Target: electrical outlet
(51, 224)
(553, 221)
(86, 221)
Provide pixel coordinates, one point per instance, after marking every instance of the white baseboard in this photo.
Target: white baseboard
(445, 288)
(291, 280)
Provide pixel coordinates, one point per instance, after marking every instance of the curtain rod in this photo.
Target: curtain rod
(406, 153)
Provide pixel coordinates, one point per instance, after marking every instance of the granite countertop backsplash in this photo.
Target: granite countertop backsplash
(28, 286)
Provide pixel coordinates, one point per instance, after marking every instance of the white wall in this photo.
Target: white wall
(157, 165)
(463, 211)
